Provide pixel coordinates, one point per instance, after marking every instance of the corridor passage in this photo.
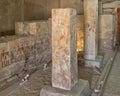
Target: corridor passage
(112, 87)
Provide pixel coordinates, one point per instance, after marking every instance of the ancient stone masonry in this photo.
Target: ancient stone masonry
(41, 30)
(107, 30)
(64, 55)
(91, 34)
(31, 46)
(13, 53)
(4, 55)
(91, 28)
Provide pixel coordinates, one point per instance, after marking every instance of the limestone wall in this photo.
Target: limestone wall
(41, 9)
(41, 30)
(10, 11)
(106, 31)
(15, 53)
(24, 51)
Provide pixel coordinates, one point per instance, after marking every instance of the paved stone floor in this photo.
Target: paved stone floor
(112, 87)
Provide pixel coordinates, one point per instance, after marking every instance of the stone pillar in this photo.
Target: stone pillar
(100, 7)
(91, 28)
(64, 48)
(64, 57)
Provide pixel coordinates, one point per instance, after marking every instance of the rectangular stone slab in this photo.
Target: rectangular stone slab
(82, 88)
(106, 31)
(91, 28)
(64, 48)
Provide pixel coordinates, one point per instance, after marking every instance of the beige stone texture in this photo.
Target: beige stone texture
(106, 28)
(91, 28)
(41, 30)
(115, 4)
(16, 52)
(4, 54)
(76, 4)
(100, 7)
(64, 48)
(19, 28)
(82, 88)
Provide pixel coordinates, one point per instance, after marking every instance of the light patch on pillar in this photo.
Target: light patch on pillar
(80, 41)
(80, 32)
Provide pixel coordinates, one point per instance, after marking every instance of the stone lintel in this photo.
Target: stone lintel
(82, 88)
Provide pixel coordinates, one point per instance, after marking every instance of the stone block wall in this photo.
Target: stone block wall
(24, 51)
(16, 52)
(41, 30)
(41, 9)
(106, 31)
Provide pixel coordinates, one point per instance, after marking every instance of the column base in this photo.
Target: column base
(82, 88)
(94, 63)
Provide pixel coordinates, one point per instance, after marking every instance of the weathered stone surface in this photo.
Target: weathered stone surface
(31, 46)
(19, 28)
(82, 88)
(115, 4)
(106, 31)
(64, 48)
(12, 78)
(95, 63)
(29, 51)
(100, 7)
(16, 52)
(41, 30)
(76, 4)
(11, 70)
(10, 11)
(4, 54)
(80, 32)
(91, 28)
(27, 28)
(4, 73)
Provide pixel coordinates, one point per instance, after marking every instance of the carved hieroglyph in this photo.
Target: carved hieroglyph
(64, 48)
(91, 28)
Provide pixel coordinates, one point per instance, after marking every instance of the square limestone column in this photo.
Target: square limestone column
(91, 28)
(64, 48)
(91, 34)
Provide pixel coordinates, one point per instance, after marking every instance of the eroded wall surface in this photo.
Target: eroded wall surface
(10, 11)
(26, 50)
(41, 9)
(106, 31)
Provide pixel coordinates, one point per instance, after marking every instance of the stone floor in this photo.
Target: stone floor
(112, 87)
(41, 78)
